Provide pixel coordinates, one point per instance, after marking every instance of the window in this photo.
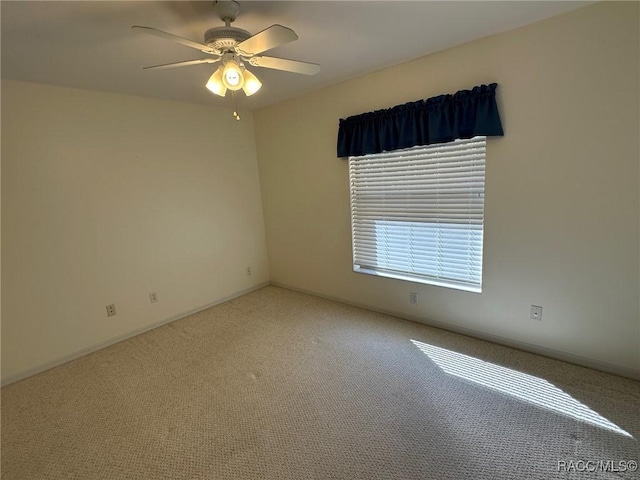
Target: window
(417, 214)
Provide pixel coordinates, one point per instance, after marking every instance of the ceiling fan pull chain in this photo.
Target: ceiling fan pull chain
(235, 102)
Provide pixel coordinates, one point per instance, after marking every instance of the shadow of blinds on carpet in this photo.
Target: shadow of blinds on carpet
(526, 387)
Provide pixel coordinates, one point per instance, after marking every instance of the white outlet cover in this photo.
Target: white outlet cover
(536, 313)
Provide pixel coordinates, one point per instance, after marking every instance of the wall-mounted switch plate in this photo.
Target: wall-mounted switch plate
(153, 297)
(111, 310)
(413, 298)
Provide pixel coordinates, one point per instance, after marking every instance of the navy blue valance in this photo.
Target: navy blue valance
(440, 119)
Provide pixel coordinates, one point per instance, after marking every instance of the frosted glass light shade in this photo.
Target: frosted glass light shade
(251, 83)
(215, 83)
(232, 76)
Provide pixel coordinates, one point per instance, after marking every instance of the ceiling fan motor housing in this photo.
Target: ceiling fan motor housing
(225, 38)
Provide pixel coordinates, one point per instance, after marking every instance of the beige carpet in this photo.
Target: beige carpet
(282, 385)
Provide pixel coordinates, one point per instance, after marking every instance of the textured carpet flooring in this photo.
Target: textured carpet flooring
(282, 385)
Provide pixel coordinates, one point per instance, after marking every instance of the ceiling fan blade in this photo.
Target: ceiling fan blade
(294, 66)
(267, 39)
(170, 36)
(182, 64)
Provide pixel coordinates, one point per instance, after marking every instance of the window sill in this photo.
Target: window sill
(417, 279)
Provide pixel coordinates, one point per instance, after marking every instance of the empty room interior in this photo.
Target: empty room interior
(320, 240)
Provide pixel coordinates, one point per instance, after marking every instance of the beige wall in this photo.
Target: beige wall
(106, 198)
(562, 204)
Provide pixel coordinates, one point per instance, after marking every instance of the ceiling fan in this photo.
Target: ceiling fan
(233, 47)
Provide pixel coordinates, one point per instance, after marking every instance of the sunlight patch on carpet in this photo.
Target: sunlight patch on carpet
(520, 385)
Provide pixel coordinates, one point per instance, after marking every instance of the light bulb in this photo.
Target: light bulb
(215, 83)
(251, 83)
(232, 76)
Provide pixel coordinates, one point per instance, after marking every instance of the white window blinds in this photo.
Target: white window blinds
(417, 214)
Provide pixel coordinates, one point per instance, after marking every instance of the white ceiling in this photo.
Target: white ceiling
(89, 44)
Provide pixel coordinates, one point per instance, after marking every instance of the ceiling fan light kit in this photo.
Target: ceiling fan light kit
(233, 46)
(232, 75)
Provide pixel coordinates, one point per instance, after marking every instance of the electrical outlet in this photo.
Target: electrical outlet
(111, 310)
(536, 313)
(413, 298)
(153, 297)
(248, 271)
